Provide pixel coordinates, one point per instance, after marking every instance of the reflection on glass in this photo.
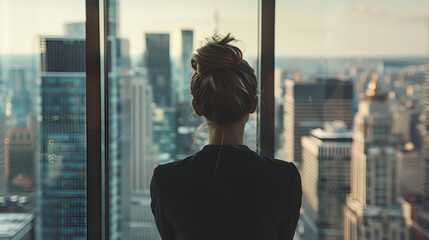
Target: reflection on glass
(42, 120)
(349, 93)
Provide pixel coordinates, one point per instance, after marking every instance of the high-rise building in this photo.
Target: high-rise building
(411, 170)
(62, 194)
(20, 147)
(158, 64)
(308, 105)
(325, 179)
(119, 97)
(18, 101)
(164, 133)
(426, 138)
(185, 65)
(142, 221)
(4, 164)
(186, 124)
(373, 209)
(143, 152)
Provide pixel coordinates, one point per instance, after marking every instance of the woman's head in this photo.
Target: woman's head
(223, 85)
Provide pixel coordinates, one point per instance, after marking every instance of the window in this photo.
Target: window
(342, 61)
(339, 66)
(42, 171)
(150, 119)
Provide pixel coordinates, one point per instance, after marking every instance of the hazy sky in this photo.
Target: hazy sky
(303, 27)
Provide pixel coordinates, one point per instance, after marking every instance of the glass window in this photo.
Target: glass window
(42, 175)
(151, 120)
(342, 68)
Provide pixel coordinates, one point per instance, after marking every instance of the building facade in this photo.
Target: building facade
(185, 65)
(373, 209)
(307, 106)
(143, 152)
(159, 67)
(325, 179)
(20, 154)
(62, 192)
(142, 221)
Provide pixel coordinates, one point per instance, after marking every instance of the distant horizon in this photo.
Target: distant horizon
(281, 56)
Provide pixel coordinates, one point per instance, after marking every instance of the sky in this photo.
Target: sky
(303, 27)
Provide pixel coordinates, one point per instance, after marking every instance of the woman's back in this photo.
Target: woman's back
(226, 192)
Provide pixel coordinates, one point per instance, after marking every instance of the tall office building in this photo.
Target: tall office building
(142, 221)
(186, 124)
(424, 216)
(18, 101)
(185, 66)
(62, 196)
(4, 164)
(19, 151)
(119, 97)
(411, 170)
(143, 153)
(373, 209)
(159, 67)
(325, 179)
(426, 112)
(164, 133)
(308, 105)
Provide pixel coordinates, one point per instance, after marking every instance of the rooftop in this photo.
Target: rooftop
(333, 130)
(12, 223)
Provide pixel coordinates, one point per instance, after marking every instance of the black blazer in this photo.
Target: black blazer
(247, 196)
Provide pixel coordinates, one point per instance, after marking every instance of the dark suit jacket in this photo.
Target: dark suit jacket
(247, 196)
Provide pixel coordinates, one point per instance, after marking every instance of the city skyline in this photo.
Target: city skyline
(340, 29)
(144, 132)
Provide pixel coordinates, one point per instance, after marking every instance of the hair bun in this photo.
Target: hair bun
(220, 55)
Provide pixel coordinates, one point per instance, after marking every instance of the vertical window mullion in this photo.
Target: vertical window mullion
(93, 116)
(266, 76)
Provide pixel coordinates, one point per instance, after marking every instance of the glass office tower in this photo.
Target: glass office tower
(62, 163)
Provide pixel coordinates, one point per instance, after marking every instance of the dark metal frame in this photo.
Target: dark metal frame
(266, 77)
(94, 124)
(97, 114)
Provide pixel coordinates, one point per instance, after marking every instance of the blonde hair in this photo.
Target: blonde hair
(223, 84)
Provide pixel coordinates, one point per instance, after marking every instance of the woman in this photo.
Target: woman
(225, 191)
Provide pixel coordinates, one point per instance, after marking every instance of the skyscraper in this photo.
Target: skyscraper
(186, 124)
(373, 210)
(308, 105)
(119, 136)
(164, 133)
(159, 67)
(62, 193)
(325, 179)
(142, 221)
(4, 164)
(118, 104)
(185, 65)
(18, 101)
(143, 153)
(20, 147)
(426, 111)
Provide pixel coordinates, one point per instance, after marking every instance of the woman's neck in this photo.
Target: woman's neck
(226, 135)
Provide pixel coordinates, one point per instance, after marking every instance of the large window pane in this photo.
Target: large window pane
(349, 113)
(42, 120)
(151, 121)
